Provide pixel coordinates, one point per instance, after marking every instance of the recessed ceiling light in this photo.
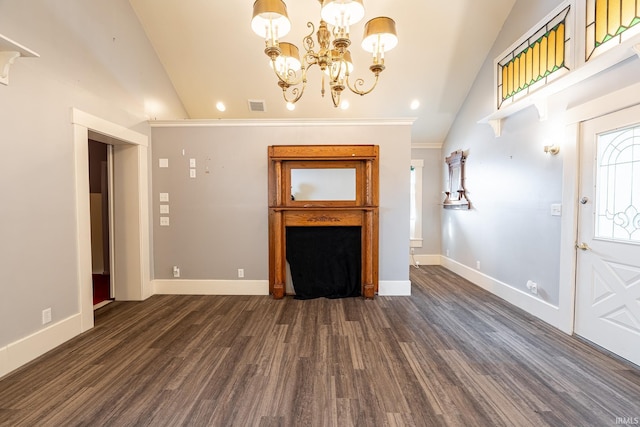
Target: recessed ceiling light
(291, 106)
(220, 106)
(344, 104)
(415, 104)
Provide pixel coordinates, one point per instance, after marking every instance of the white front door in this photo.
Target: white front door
(608, 269)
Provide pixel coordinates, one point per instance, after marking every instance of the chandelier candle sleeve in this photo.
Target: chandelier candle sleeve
(270, 21)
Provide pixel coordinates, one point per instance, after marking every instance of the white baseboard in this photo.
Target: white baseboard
(527, 302)
(252, 287)
(26, 349)
(210, 287)
(425, 259)
(389, 288)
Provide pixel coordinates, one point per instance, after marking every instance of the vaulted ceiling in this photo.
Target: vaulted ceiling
(210, 54)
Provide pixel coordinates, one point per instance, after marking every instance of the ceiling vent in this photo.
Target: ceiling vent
(256, 106)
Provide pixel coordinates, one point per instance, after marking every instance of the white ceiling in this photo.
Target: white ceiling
(210, 54)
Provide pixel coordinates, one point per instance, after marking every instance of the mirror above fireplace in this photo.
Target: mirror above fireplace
(314, 184)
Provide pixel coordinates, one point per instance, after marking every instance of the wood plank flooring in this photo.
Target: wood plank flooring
(449, 355)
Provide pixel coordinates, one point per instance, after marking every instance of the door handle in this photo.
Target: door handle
(583, 246)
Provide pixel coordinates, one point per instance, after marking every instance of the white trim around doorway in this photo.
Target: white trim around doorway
(136, 280)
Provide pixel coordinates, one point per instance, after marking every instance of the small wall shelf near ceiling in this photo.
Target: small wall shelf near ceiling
(9, 51)
(540, 97)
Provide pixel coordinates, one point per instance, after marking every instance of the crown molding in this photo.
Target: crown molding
(426, 145)
(281, 122)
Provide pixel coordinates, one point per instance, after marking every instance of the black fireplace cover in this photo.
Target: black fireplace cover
(324, 261)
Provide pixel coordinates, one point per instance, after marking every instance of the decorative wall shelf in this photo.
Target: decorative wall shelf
(9, 51)
(539, 98)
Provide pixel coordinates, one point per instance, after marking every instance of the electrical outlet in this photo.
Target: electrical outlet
(413, 251)
(176, 271)
(447, 252)
(46, 316)
(240, 273)
(477, 265)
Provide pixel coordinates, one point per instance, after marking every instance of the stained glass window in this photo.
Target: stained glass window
(534, 63)
(609, 23)
(618, 189)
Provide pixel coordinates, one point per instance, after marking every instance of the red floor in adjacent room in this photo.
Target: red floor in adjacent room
(101, 288)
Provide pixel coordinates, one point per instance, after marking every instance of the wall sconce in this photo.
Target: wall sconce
(552, 149)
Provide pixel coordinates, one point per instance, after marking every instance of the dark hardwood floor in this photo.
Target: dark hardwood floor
(450, 355)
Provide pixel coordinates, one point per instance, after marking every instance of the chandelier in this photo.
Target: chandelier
(270, 21)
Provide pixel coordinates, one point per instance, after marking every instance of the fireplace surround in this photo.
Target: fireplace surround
(287, 208)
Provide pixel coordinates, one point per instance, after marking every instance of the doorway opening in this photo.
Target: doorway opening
(100, 172)
(130, 239)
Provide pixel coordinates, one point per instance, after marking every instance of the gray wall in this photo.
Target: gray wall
(95, 57)
(511, 182)
(218, 221)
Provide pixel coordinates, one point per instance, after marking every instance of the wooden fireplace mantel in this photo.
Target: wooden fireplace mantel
(284, 211)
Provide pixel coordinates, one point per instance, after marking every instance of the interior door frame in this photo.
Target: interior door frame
(574, 117)
(131, 235)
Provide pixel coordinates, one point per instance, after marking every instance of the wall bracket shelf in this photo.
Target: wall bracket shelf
(9, 52)
(540, 97)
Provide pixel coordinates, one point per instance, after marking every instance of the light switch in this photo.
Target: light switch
(164, 163)
(164, 221)
(556, 209)
(192, 163)
(164, 209)
(164, 197)
(192, 173)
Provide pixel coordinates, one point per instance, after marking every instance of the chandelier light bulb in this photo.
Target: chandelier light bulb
(339, 67)
(270, 20)
(380, 35)
(291, 106)
(288, 60)
(220, 106)
(342, 13)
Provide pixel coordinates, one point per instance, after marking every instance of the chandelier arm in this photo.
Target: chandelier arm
(297, 92)
(307, 41)
(359, 83)
(288, 78)
(335, 75)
